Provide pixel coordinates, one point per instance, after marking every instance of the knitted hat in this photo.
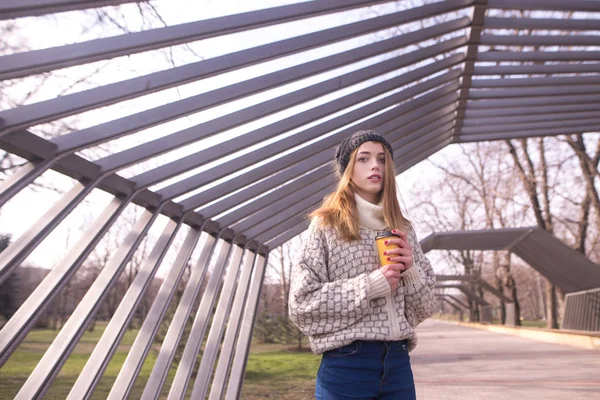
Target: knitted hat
(348, 145)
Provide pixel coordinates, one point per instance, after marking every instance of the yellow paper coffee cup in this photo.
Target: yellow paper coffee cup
(380, 239)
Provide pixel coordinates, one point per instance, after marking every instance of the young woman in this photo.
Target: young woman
(359, 314)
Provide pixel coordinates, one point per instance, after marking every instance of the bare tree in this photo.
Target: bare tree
(536, 184)
(9, 288)
(274, 314)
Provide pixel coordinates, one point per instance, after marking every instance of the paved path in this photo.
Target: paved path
(456, 362)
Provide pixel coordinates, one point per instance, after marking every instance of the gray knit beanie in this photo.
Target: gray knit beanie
(345, 149)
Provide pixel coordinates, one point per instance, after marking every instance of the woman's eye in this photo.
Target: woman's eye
(362, 159)
(382, 160)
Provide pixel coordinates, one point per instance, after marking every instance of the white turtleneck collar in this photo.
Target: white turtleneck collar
(370, 215)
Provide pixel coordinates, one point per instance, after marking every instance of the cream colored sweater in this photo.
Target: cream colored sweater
(338, 294)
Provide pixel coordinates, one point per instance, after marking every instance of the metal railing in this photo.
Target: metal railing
(582, 311)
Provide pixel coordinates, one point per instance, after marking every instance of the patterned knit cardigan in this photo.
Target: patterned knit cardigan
(330, 294)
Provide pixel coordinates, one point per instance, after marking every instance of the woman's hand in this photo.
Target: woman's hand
(392, 274)
(403, 254)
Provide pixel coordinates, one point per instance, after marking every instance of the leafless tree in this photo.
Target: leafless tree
(273, 311)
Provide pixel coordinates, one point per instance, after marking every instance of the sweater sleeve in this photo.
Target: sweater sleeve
(420, 301)
(317, 306)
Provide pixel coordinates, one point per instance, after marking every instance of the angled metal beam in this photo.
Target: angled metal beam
(537, 69)
(533, 91)
(31, 147)
(540, 40)
(548, 254)
(568, 282)
(308, 197)
(500, 56)
(282, 227)
(281, 198)
(497, 239)
(175, 331)
(313, 151)
(479, 12)
(318, 150)
(300, 207)
(427, 134)
(558, 5)
(78, 168)
(31, 310)
(298, 217)
(441, 278)
(528, 133)
(493, 290)
(196, 336)
(531, 118)
(539, 248)
(430, 140)
(213, 341)
(18, 251)
(134, 123)
(526, 101)
(455, 299)
(109, 94)
(233, 326)
(257, 203)
(449, 302)
(472, 296)
(325, 171)
(242, 348)
(405, 123)
(121, 388)
(295, 214)
(109, 341)
(30, 8)
(34, 62)
(421, 154)
(516, 127)
(162, 145)
(526, 82)
(541, 23)
(277, 179)
(482, 114)
(56, 355)
(287, 235)
(196, 159)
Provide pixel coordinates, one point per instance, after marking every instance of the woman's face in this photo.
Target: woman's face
(368, 171)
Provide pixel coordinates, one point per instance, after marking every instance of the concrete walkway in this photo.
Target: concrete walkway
(456, 362)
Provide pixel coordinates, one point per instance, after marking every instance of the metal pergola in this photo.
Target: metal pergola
(443, 93)
(566, 268)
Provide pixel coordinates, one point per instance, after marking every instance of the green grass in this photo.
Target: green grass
(274, 371)
(23, 361)
(533, 324)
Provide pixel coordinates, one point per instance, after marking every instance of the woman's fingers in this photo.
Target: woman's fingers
(391, 271)
(402, 260)
(396, 266)
(398, 241)
(403, 251)
(400, 233)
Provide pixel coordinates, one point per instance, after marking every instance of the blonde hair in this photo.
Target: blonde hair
(338, 209)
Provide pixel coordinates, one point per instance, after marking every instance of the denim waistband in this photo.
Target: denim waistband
(371, 346)
(403, 341)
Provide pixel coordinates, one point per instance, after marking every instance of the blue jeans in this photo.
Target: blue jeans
(366, 370)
